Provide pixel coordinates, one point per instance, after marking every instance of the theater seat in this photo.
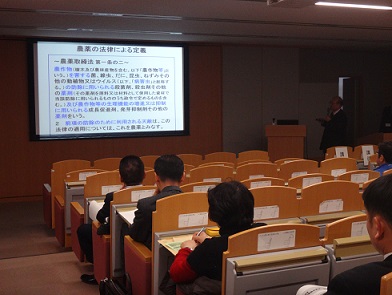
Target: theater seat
(101, 246)
(137, 254)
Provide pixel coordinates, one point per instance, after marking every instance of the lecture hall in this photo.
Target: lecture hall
(236, 90)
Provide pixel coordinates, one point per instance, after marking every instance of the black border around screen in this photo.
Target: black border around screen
(31, 93)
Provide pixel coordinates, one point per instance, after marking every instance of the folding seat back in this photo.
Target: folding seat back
(348, 244)
(213, 173)
(274, 259)
(256, 155)
(256, 170)
(263, 181)
(275, 204)
(297, 167)
(337, 166)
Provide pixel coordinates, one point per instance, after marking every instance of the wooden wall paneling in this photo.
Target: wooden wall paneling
(25, 165)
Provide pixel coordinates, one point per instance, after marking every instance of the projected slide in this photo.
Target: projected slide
(87, 89)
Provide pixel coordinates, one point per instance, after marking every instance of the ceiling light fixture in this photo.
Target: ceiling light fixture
(379, 7)
(107, 14)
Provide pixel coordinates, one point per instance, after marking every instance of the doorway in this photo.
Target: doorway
(350, 92)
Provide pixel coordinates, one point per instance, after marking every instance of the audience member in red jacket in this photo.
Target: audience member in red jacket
(231, 207)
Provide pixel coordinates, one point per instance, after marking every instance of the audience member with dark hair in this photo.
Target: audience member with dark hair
(169, 170)
(384, 158)
(366, 278)
(231, 206)
(131, 170)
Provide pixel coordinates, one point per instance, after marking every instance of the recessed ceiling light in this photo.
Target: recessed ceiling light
(107, 14)
(363, 6)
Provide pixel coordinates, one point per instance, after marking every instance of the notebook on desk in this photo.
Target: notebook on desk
(173, 244)
(127, 214)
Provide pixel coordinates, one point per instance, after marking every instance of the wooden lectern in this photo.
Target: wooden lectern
(285, 141)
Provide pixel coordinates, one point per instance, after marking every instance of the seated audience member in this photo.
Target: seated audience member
(231, 207)
(169, 170)
(131, 169)
(384, 159)
(365, 279)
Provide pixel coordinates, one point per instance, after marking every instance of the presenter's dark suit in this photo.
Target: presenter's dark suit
(85, 231)
(364, 279)
(335, 131)
(141, 228)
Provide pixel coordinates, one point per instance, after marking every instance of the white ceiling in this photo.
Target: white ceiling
(218, 21)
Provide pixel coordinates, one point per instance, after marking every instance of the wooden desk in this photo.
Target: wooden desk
(74, 192)
(116, 221)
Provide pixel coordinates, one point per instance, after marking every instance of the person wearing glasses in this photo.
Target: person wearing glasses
(384, 157)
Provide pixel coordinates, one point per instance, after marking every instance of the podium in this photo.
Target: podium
(285, 141)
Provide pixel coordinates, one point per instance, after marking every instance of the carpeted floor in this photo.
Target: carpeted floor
(23, 231)
(31, 259)
(55, 274)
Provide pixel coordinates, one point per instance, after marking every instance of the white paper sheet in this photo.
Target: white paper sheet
(254, 184)
(298, 173)
(311, 180)
(331, 206)
(193, 219)
(359, 229)
(276, 240)
(141, 194)
(341, 152)
(367, 151)
(337, 172)
(266, 212)
(128, 215)
(202, 188)
(360, 178)
(105, 189)
(93, 209)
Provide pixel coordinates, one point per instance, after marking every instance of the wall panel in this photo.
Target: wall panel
(25, 165)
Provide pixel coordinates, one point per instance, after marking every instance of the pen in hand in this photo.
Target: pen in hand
(199, 237)
(200, 231)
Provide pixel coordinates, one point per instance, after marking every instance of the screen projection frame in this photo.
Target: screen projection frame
(183, 100)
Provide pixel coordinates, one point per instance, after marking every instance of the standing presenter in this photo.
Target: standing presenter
(335, 125)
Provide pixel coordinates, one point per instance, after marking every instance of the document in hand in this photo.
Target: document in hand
(93, 209)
